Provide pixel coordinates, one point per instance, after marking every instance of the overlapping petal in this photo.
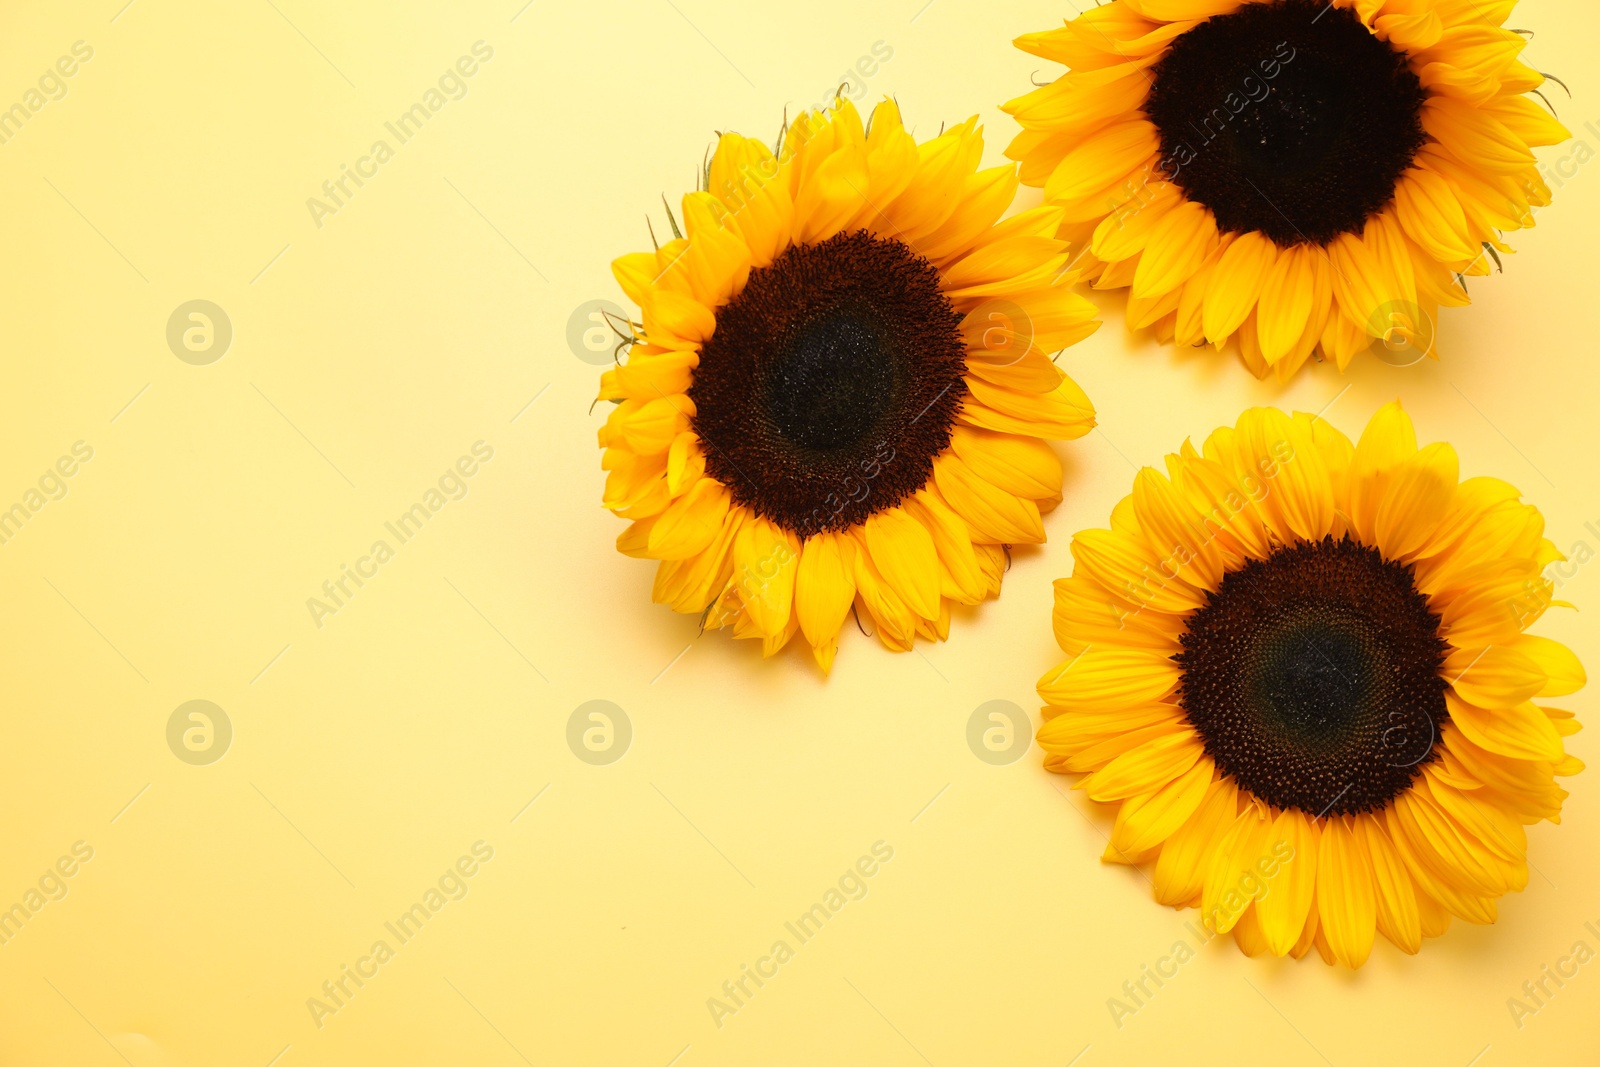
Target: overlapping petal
(1089, 143)
(1283, 881)
(1013, 281)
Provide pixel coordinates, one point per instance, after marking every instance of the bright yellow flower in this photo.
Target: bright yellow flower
(1299, 668)
(1306, 175)
(839, 393)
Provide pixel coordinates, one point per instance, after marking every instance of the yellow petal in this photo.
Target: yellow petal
(745, 176)
(1290, 892)
(1145, 822)
(692, 585)
(1472, 134)
(716, 260)
(1453, 871)
(765, 558)
(1183, 10)
(1563, 672)
(1520, 731)
(1239, 278)
(1064, 413)
(1146, 768)
(1495, 834)
(1069, 732)
(1133, 573)
(1096, 756)
(935, 188)
(952, 540)
(1347, 904)
(1232, 878)
(1083, 617)
(903, 551)
(1025, 466)
(1286, 297)
(1185, 857)
(1493, 677)
(984, 197)
(1387, 441)
(635, 540)
(994, 515)
(1179, 244)
(1102, 159)
(1126, 231)
(686, 462)
(690, 524)
(676, 320)
(1415, 498)
(650, 372)
(1398, 916)
(824, 586)
(1225, 506)
(831, 194)
(1358, 282)
(1277, 454)
(896, 622)
(1174, 530)
(1102, 679)
(654, 426)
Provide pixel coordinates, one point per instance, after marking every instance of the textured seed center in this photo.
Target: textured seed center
(1313, 677)
(1287, 117)
(831, 382)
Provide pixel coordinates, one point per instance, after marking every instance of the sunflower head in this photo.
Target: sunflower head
(1304, 175)
(838, 393)
(1299, 667)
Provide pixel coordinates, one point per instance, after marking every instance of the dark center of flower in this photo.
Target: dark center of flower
(830, 382)
(1313, 678)
(1288, 117)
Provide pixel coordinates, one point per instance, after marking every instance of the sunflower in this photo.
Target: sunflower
(839, 393)
(1299, 667)
(1305, 175)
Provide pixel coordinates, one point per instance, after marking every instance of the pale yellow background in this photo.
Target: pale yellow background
(370, 753)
